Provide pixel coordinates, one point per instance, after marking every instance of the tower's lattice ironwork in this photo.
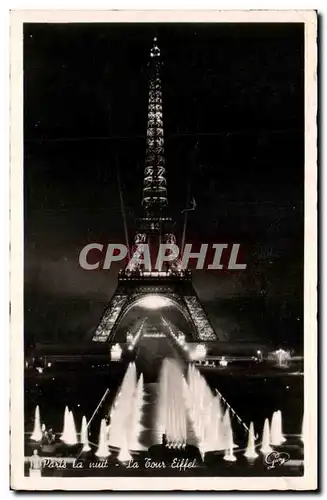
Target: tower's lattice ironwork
(155, 226)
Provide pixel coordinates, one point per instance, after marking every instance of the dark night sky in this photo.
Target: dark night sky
(237, 91)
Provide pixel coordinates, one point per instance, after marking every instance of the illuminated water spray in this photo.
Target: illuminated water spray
(277, 437)
(206, 413)
(250, 452)
(265, 445)
(229, 447)
(37, 432)
(65, 426)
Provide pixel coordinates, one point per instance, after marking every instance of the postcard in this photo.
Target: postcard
(163, 250)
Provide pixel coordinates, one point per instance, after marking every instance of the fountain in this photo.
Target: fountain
(124, 454)
(102, 451)
(277, 437)
(162, 404)
(84, 436)
(171, 405)
(217, 425)
(213, 430)
(37, 432)
(280, 426)
(265, 445)
(70, 435)
(65, 427)
(116, 352)
(251, 453)
(198, 401)
(229, 450)
(227, 429)
(121, 432)
(282, 358)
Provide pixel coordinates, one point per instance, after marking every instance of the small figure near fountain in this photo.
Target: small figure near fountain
(35, 465)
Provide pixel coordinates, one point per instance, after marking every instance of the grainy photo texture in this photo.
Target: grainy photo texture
(163, 194)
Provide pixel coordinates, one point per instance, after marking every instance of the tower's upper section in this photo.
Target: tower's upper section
(155, 183)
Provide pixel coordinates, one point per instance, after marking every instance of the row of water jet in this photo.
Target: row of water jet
(212, 426)
(272, 436)
(125, 426)
(171, 418)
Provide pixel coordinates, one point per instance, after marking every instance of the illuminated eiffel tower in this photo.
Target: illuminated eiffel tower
(173, 283)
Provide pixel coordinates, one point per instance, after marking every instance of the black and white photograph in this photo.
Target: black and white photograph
(167, 301)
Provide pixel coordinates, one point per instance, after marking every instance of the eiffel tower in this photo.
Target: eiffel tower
(173, 283)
